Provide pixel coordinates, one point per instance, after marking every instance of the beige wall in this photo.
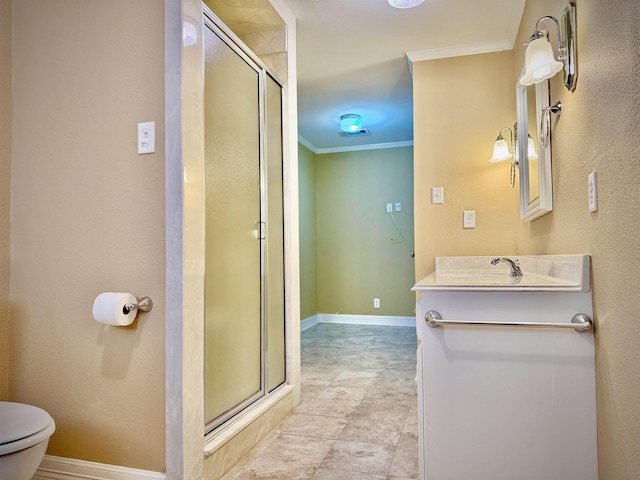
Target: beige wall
(5, 189)
(597, 132)
(308, 237)
(460, 104)
(356, 259)
(87, 216)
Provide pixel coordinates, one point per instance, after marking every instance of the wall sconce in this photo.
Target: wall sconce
(501, 147)
(539, 58)
(501, 152)
(350, 122)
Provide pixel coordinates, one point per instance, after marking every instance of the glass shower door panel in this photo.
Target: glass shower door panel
(275, 238)
(233, 373)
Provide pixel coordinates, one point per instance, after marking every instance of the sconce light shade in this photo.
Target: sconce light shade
(531, 149)
(540, 64)
(405, 3)
(500, 150)
(350, 122)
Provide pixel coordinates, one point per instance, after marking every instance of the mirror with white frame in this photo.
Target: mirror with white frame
(536, 193)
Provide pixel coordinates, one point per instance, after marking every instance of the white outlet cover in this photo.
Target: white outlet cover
(592, 187)
(469, 219)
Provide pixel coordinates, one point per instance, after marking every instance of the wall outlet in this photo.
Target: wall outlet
(376, 303)
(469, 219)
(398, 206)
(389, 207)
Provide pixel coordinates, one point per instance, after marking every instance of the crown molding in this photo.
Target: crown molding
(458, 51)
(307, 144)
(513, 26)
(353, 148)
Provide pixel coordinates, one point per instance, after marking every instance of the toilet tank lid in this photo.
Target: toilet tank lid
(19, 420)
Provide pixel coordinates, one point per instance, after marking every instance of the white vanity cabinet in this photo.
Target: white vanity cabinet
(507, 402)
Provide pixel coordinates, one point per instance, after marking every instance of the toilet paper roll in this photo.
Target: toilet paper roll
(108, 308)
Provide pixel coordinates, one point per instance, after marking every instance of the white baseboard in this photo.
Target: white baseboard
(59, 468)
(309, 322)
(390, 321)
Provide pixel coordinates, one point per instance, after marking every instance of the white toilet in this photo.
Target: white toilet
(24, 436)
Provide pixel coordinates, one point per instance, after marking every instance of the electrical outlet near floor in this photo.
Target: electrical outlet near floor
(376, 303)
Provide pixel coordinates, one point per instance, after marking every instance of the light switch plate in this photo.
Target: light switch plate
(437, 195)
(146, 137)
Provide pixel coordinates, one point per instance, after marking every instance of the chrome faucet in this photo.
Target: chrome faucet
(515, 266)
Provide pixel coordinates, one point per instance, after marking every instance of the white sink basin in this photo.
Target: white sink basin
(539, 273)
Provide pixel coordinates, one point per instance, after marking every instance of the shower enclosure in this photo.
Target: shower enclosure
(244, 228)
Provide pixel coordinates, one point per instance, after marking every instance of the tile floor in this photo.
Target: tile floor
(358, 419)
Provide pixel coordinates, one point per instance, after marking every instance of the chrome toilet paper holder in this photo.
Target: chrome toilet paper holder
(144, 304)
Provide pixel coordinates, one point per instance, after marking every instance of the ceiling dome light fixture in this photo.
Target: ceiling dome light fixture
(405, 3)
(350, 122)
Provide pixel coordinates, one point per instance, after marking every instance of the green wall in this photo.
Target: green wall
(356, 258)
(308, 240)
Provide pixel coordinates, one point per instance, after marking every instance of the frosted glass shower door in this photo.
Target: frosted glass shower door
(233, 326)
(275, 237)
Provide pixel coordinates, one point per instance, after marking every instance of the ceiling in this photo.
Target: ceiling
(354, 56)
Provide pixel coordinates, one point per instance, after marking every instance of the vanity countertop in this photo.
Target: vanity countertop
(540, 273)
